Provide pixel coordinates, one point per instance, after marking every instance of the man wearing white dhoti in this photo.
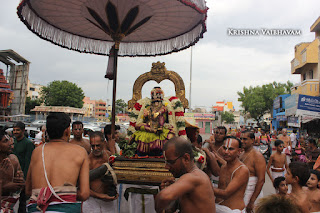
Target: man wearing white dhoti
(256, 164)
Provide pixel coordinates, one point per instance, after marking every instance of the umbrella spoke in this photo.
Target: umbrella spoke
(100, 21)
(129, 19)
(139, 24)
(112, 16)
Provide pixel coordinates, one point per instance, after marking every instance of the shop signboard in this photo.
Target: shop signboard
(308, 106)
(293, 121)
(281, 118)
(291, 104)
(277, 103)
(204, 116)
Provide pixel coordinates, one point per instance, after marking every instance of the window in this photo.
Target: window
(200, 124)
(32, 89)
(311, 74)
(315, 87)
(304, 76)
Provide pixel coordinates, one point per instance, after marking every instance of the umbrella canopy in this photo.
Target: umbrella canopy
(143, 27)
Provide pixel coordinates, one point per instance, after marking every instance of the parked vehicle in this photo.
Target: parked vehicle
(38, 123)
(30, 132)
(265, 150)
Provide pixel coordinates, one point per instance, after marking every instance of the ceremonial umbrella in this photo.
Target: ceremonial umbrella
(117, 27)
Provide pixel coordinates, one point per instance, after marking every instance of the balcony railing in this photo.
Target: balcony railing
(307, 87)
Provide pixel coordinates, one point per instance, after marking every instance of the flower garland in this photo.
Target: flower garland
(175, 114)
(199, 158)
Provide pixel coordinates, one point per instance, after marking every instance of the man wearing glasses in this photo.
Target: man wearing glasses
(256, 164)
(193, 189)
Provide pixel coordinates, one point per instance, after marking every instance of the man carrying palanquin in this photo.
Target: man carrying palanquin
(56, 168)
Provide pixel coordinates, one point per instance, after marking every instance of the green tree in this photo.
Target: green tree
(228, 117)
(259, 100)
(30, 104)
(121, 106)
(62, 93)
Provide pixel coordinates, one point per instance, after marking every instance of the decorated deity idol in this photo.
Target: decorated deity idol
(152, 133)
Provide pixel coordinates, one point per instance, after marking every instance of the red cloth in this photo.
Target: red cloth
(45, 197)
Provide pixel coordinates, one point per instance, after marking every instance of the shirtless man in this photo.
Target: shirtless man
(233, 180)
(11, 174)
(256, 164)
(99, 200)
(77, 131)
(216, 148)
(112, 145)
(297, 175)
(313, 192)
(193, 189)
(286, 143)
(57, 167)
(278, 161)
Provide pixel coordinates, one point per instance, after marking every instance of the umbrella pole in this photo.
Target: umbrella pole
(115, 64)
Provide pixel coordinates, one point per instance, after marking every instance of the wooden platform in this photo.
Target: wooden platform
(146, 171)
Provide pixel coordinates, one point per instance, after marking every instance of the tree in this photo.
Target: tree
(30, 104)
(121, 106)
(62, 93)
(259, 100)
(228, 117)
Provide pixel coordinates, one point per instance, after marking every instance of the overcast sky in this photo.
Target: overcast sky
(222, 64)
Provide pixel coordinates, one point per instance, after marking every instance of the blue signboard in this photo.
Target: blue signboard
(309, 103)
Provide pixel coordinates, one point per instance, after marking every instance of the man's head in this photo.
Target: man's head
(247, 138)
(18, 130)
(6, 143)
(313, 181)
(231, 148)
(97, 142)
(220, 134)
(284, 131)
(58, 125)
(279, 145)
(275, 204)
(280, 185)
(107, 132)
(77, 129)
(298, 173)
(178, 156)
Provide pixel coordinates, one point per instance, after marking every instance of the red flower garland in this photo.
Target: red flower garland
(172, 98)
(182, 132)
(201, 159)
(179, 113)
(133, 124)
(112, 159)
(137, 106)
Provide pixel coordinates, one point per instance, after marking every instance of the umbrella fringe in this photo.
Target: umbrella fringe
(88, 45)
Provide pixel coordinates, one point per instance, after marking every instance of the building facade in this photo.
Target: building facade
(34, 90)
(95, 109)
(100, 110)
(306, 64)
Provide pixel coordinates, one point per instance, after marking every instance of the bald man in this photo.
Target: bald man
(193, 189)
